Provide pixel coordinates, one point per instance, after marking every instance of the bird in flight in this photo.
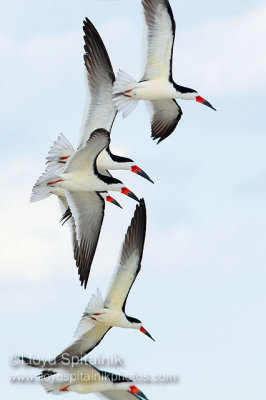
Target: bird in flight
(101, 315)
(157, 86)
(83, 185)
(99, 110)
(82, 377)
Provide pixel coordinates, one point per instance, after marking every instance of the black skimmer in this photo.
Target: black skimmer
(62, 150)
(100, 316)
(80, 183)
(99, 110)
(100, 113)
(82, 377)
(157, 85)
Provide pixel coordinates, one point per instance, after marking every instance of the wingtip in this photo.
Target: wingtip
(26, 360)
(160, 139)
(83, 283)
(142, 208)
(140, 212)
(142, 202)
(86, 22)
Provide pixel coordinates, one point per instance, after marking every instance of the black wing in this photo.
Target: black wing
(100, 111)
(129, 263)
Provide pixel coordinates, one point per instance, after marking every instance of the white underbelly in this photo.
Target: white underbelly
(81, 182)
(112, 318)
(58, 192)
(154, 90)
(88, 386)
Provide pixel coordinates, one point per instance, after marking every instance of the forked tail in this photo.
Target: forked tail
(123, 84)
(95, 306)
(58, 155)
(56, 383)
(43, 186)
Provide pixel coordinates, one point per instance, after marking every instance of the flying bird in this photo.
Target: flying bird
(99, 113)
(99, 110)
(82, 377)
(62, 150)
(157, 86)
(82, 185)
(101, 315)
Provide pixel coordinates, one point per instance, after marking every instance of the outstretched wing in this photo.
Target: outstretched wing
(166, 114)
(87, 209)
(63, 367)
(160, 35)
(99, 111)
(130, 260)
(67, 217)
(85, 344)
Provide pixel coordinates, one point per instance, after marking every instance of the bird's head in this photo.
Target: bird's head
(114, 184)
(186, 93)
(137, 324)
(131, 166)
(122, 163)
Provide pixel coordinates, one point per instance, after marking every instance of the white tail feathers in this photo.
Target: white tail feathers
(58, 155)
(123, 103)
(41, 189)
(123, 82)
(56, 384)
(94, 306)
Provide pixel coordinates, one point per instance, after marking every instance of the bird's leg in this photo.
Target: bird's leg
(95, 316)
(54, 182)
(65, 389)
(128, 91)
(63, 159)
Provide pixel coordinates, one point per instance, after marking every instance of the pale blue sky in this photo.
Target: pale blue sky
(201, 292)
